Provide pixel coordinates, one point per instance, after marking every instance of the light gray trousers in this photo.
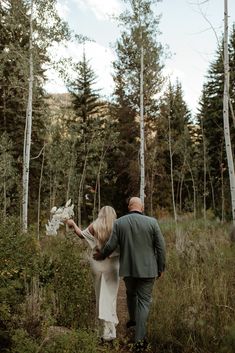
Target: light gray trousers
(139, 294)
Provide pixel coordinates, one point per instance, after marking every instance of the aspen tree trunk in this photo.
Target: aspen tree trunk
(50, 190)
(181, 182)
(28, 130)
(204, 171)
(152, 177)
(171, 164)
(142, 143)
(194, 192)
(99, 193)
(226, 113)
(151, 182)
(5, 197)
(212, 190)
(222, 194)
(179, 239)
(71, 169)
(4, 110)
(80, 194)
(54, 190)
(81, 184)
(39, 190)
(80, 190)
(97, 185)
(4, 177)
(180, 192)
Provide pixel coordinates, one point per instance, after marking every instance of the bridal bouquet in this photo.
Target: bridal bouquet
(59, 215)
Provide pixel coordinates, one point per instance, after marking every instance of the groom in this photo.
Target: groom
(142, 259)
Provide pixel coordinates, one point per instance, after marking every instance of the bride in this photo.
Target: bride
(105, 273)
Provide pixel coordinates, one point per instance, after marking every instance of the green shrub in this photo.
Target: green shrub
(80, 341)
(41, 284)
(19, 255)
(23, 343)
(68, 284)
(228, 344)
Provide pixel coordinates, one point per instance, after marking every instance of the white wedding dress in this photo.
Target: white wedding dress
(106, 281)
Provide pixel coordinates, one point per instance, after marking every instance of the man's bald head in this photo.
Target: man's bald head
(135, 204)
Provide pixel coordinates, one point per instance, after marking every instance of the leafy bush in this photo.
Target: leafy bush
(19, 254)
(72, 342)
(67, 281)
(62, 342)
(23, 343)
(41, 284)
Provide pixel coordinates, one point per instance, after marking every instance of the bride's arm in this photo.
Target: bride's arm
(78, 231)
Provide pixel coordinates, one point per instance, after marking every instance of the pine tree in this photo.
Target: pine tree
(8, 178)
(85, 98)
(173, 135)
(139, 35)
(90, 122)
(14, 76)
(210, 118)
(14, 82)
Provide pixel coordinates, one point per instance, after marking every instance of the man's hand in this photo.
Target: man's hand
(160, 274)
(98, 256)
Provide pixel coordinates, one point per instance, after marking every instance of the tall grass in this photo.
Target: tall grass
(193, 307)
(47, 298)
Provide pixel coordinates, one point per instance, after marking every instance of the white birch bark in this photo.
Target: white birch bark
(194, 192)
(71, 169)
(28, 130)
(171, 164)
(4, 195)
(142, 142)
(39, 191)
(226, 113)
(152, 177)
(204, 171)
(81, 184)
(97, 185)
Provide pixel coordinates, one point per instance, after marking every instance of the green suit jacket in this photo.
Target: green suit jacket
(141, 246)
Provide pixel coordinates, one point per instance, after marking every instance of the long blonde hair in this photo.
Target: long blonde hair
(103, 225)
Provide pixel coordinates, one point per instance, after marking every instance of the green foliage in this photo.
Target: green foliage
(7, 173)
(48, 28)
(210, 118)
(47, 299)
(18, 264)
(18, 259)
(67, 280)
(171, 129)
(41, 285)
(80, 141)
(63, 342)
(139, 24)
(72, 342)
(85, 98)
(139, 28)
(23, 343)
(194, 303)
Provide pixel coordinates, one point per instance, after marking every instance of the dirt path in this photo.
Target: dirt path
(123, 336)
(122, 310)
(121, 344)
